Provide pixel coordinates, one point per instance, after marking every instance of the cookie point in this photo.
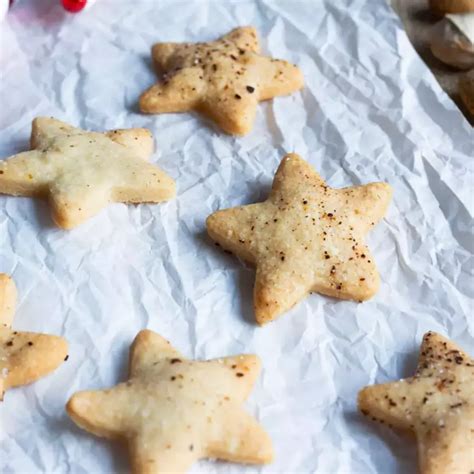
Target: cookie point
(37, 121)
(266, 454)
(384, 188)
(251, 360)
(76, 404)
(8, 297)
(148, 337)
(5, 279)
(211, 219)
(64, 222)
(291, 156)
(369, 288)
(144, 334)
(431, 336)
(300, 78)
(62, 346)
(238, 128)
(8, 285)
(263, 314)
(261, 321)
(248, 29)
(362, 399)
(144, 103)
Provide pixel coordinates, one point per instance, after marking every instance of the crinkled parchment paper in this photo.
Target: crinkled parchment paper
(371, 110)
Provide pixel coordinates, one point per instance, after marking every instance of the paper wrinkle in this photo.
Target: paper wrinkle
(370, 111)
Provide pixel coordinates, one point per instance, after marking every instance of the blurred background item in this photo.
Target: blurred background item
(452, 40)
(442, 33)
(442, 7)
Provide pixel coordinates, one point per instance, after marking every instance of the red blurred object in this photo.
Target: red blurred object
(74, 6)
(11, 3)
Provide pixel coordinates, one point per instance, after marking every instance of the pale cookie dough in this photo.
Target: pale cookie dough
(223, 79)
(81, 172)
(437, 404)
(173, 411)
(305, 237)
(24, 356)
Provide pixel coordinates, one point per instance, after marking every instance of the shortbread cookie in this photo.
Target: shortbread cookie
(452, 6)
(173, 411)
(24, 356)
(305, 237)
(466, 91)
(437, 404)
(81, 172)
(223, 79)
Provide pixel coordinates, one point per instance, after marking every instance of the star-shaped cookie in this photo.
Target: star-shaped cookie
(81, 172)
(437, 404)
(223, 79)
(173, 411)
(466, 90)
(305, 237)
(24, 356)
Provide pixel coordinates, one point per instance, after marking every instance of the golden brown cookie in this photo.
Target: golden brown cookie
(24, 356)
(81, 172)
(223, 79)
(173, 411)
(305, 237)
(452, 6)
(466, 91)
(437, 404)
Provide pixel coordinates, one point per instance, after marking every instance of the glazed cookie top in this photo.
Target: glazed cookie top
(224, 79)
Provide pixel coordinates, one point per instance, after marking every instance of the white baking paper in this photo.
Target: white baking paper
(371, 110)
